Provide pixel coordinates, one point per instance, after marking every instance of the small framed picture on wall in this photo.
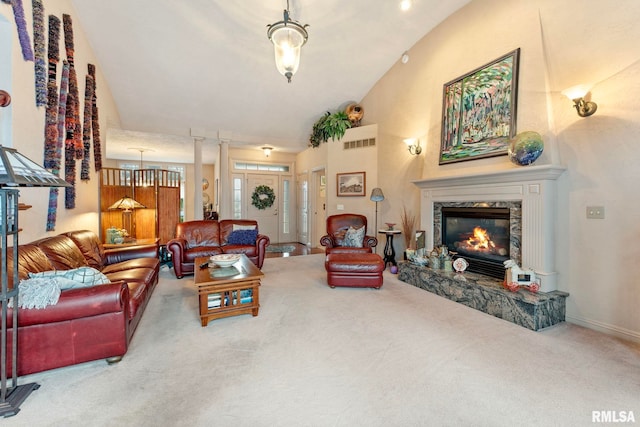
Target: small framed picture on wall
(351, 184)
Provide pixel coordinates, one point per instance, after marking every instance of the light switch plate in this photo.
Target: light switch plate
(340, 207)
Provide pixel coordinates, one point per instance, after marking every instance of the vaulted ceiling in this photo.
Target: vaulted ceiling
(207, 64)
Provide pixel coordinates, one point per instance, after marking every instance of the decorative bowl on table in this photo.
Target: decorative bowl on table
(390, 225)
(224, 260)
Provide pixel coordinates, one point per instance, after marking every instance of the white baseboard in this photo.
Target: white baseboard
(606, 328)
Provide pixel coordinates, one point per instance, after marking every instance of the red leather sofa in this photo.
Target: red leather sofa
(209, 237)
(86, 324)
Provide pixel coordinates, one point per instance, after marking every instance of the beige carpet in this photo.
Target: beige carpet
(316, 356)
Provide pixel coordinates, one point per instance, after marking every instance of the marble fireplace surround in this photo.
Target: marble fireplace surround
(530, 193)
(534, 187)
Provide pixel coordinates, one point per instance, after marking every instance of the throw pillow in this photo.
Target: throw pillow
(65, 283)
(86, 275)
(354, 238)
(243, 237)
(243, 227)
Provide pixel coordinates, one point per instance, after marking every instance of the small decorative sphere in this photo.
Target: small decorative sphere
(393, 269)
(355, 112)
(525, 148)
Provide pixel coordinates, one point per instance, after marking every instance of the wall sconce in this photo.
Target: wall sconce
(413, 144)
(267, 151)
(577, 94)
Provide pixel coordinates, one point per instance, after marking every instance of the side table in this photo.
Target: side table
(132, 242)
(389, 251)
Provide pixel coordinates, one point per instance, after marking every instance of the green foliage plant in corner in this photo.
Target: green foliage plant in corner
(329, 126)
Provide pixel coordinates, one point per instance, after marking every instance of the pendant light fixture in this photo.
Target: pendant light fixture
(287, 37)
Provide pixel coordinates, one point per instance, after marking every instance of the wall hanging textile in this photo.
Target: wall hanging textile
(73, 143)
(74, 94)
(51, 149)
(51, 118)
(39, 53)
(95, 125)
(23, 33)
(86, 128)
(62, 108)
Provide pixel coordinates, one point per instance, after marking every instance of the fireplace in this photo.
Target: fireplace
(481, 235)
(529, 193)
(453, 206)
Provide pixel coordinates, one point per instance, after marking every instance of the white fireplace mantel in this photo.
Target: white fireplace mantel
(533, 186)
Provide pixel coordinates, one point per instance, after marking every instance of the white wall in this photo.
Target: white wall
(562, 44)
(27, 124)
(335, 159)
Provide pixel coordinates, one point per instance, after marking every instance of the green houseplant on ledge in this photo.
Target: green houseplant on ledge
(329, 126)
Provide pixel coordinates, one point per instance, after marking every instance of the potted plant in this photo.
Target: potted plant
(329, 126)
(408, 222)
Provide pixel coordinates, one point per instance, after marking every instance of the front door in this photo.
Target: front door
(268, 217)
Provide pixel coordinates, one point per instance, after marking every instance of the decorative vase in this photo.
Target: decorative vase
(525, 148)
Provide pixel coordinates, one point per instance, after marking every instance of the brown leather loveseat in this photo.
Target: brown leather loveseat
(209, 237)
(87, 323)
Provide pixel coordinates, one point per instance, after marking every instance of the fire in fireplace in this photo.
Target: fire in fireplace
(479, 234)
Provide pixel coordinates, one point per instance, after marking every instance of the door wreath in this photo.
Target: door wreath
(263, 197)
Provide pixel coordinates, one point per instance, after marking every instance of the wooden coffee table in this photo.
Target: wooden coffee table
(228, 291)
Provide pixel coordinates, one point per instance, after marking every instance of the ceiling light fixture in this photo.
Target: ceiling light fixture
(141, 150)
(405, 5)
(287, 37)
(405, 57)
(267, 151)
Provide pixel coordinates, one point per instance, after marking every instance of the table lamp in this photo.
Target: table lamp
(127, 205)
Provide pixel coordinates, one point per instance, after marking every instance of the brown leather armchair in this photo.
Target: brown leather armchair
(337, 226)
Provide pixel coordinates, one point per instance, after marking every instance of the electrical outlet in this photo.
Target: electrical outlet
(340, 207)
(595, 212)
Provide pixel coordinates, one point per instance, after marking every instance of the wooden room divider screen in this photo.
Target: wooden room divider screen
(157, 189)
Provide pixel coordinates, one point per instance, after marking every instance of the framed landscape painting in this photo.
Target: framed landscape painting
(351, 184)
(479, 111)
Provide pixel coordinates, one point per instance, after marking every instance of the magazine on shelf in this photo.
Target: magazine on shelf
(214, 300)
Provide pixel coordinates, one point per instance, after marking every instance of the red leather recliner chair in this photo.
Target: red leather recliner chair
(337, 226)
